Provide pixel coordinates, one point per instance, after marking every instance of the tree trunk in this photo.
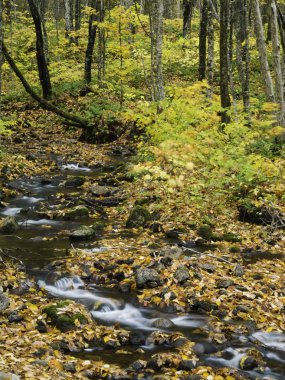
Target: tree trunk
(211, 52)
(68, 20)
(242, 50)
(41, 58)
(75, 120)
(277, 63)
(203, 40)
(156, 30)
(42, 8)
(92, 30)
(187, 17)
(224, 61)
(261, 46)
(77, 17)
(101, 45)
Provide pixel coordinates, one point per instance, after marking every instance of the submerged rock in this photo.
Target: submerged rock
(147, 278)
(9, 225)
(139, 217)
(248, 363)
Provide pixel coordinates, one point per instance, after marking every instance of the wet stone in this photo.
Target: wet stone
(248, 363)
(125, 287)
(186, 365)
(138, 365)
(208, 267)
(8, 225)
(162, 323)
(74, 182)
(76, 213)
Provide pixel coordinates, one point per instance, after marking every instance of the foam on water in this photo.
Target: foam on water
(11, 211)
(274, 340)
(75, 167)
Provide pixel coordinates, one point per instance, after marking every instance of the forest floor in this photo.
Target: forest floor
(220, 266)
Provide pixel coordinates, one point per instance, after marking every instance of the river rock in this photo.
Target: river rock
(238, 270)
(4, 302)
(138, 365)
(83, 233)
(186, 365)
(139, 217)
(9, 225)
(74, 182)
(181, 274)
(103, 191)
(69, 367)
(248, 363)
(8, 376)
(174, 252)
(162, 323)
(15, 318)
(76, 213)
(224, 284)
(147, 278)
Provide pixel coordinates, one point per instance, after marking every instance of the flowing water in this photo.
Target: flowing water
(39, 241)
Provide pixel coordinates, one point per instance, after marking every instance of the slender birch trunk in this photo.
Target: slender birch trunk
(261, 46)
(277, 63)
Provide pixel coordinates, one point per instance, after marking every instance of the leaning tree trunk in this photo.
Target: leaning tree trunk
(41, 58)
(92, 30)
(224, 61)
(156, 32)
(277, 63)
(203, 41)
(261, 46)
(74, 120)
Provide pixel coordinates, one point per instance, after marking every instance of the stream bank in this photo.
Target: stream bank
(162, 305)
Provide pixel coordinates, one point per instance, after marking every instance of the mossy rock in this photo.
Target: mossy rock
(231, 237)
(98, 227)
(78, 212)
(139, 217)
(205, 232)
(83, 233)
(9, 225)
(66, 321)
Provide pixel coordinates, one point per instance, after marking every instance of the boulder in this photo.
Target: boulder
(78, 212)
(174, 252)
(9, 225)
(139, 217)
(181, 274)
(83, 233)
(147, 278)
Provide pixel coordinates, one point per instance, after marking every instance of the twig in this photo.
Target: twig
(208, 254)
(18, 237)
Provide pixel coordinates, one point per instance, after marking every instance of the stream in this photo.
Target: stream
(40, 241)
